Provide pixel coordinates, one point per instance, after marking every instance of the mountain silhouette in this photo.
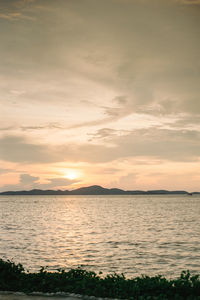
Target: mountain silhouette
(96, 190)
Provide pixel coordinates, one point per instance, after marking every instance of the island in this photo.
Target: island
(97, 190)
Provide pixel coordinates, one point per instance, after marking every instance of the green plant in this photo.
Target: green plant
(14, 278)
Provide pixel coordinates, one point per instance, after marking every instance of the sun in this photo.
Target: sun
(71, 174)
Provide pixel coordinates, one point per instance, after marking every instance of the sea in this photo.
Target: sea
(133, 235)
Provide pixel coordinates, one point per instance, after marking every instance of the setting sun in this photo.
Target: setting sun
(71, 174)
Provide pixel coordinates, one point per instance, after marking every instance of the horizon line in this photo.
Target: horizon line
(99, 188)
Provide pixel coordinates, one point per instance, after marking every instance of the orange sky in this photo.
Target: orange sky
(100, 92)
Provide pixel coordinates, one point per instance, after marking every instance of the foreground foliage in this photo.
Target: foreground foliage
(14, 278)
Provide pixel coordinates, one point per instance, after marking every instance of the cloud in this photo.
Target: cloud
(110, 171)
(56, 183)
(174, 145)
(104, 133)
(127, 181)
(5, 171)
(48, 126)
(85, 65)
(18, 149)
(191, 2)
(8, 128)
(14, 10)
(91, 123)
(28, 179)
(29, 182)
(10, 16)
(187, 121)
(113, 113)
(125, 57)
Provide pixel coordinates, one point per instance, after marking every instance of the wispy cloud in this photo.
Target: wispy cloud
(14, 16)
(48, 126)
(191, 2)
(7, 128)
(5, 171)
(10, 16)
(16, 10)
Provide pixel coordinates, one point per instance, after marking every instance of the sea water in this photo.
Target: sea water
(133, 235)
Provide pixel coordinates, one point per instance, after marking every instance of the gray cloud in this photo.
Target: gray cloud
(5, 171)
(104, 133)
(159, 53)
(17, 149)
(48, 126)
(191, 2)
(28, 182)
(8, 128)
(28, 179)
(188, 121)
(14, 10)
(174, 145)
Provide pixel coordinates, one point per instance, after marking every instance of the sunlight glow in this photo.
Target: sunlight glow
(71, 174)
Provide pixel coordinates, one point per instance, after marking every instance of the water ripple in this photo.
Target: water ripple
(131, 234)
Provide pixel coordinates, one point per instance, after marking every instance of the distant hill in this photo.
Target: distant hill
(96, 190)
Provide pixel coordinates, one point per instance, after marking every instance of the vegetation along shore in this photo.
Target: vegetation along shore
(13, 277)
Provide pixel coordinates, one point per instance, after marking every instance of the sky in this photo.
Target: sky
(100, 92)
